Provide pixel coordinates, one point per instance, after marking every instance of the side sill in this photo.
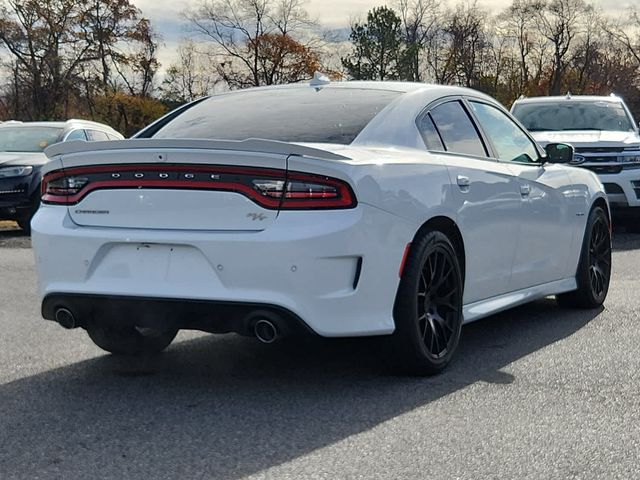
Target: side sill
(484, 308)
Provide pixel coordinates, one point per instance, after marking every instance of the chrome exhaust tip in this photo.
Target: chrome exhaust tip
(265, 331)
(65, 318)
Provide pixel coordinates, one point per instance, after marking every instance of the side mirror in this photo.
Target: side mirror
(559, 153)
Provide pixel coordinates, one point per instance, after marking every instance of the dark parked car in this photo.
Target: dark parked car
(21, 158)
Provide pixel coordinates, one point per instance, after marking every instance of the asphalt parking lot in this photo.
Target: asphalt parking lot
(537, 392)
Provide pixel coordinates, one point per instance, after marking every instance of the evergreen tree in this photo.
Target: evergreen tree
(380, 52)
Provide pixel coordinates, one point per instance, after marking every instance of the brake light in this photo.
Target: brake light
(302, 190)
(275, 189)
(65, 186)
(269, 188)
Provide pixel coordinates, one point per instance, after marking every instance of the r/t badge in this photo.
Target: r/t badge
(257, 216)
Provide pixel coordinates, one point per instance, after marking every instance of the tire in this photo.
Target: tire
(25, 224)
(594, 269)
(131, 341)
(428, 308)
(24, 221)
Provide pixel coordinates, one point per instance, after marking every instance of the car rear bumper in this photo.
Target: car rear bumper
(337, 271)
(167, 314)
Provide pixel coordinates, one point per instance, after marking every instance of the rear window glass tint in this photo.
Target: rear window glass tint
(325, 115)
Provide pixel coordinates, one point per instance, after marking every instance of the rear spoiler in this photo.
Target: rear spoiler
(250, 145)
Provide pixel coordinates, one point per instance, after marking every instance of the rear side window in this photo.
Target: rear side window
(76, 135)
(430, 134)
(457, 130)
(97, 136)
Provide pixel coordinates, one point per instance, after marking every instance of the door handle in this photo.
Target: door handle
(463, 183)
(525, 190)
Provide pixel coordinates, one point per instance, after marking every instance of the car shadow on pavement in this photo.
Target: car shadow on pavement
(226, 406)
(623, 241)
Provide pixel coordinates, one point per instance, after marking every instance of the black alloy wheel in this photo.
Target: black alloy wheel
(428, 309)
(438, 303)
(594, 269)
(599, 258)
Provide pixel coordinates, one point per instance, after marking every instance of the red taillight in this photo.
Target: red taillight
(65, 186)
(302, 191)
(269, 188)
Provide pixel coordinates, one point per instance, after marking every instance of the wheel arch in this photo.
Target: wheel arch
(602, 203)
(447, 226)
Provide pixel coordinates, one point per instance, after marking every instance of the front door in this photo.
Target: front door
(546, 228)
(545, 231)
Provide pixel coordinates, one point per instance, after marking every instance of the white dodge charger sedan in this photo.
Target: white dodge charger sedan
(337, 209)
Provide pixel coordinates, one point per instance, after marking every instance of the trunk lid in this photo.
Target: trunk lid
(176, 184)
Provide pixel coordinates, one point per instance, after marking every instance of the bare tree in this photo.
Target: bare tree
(138, 66)
(498, 60)
(189, 77)
(626, 32)
(520, 28)
(560, 23)
(107, 23)
(588, 52)
(468, 42)
(245, 32)
(63, 52)
(457, 45)
(419, 20)
(45, 39)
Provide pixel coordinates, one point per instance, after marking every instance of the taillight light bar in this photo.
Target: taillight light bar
(270, 188)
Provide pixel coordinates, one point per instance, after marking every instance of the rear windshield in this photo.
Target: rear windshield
(576, 115)
(28, 139)
(326, 115)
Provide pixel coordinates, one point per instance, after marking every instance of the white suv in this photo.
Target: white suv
(604, 135)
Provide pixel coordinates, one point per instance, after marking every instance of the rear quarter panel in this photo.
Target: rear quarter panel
(404, 182)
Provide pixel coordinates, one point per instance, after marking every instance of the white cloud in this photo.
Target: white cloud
(336, 13)
(166, 15)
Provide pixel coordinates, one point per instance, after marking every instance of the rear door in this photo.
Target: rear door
(485, 195)
(546, 224)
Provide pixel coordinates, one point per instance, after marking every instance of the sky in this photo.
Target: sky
(166, 15)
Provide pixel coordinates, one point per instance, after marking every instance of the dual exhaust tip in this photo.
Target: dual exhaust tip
(65, 318)
(266, 331)
(265, 325)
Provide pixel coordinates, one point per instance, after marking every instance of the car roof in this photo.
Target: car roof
(392, 86)
(77, 123)
(569, 98)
